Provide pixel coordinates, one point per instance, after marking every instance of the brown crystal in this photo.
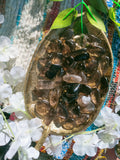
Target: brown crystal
(69, 124)
(71, 78)
(88, 109)
(42, 108)
(54, 97)
(95, 96)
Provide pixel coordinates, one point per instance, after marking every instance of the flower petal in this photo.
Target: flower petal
(91, 151)
(99, 121)
(4, 58)
(35, 122)
(55, 139)
(9, 109)
(36, 134)
(4, 42)
(17, 73)
(79, 150)
(12, 150)
(5, 91)
(17, 101)
(4, 139)
(33, 153)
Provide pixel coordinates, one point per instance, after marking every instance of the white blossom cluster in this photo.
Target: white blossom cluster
(23, 131)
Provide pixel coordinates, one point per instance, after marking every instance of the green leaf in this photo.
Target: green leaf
(99, 5)
(60, 23)
(99, 23)
(57, 0)
(113, 16)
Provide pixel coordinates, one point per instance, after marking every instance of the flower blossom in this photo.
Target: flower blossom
(25, 131)
(16, 104)
(5, 91)
(4, 138)
(28, 153)
(107, 139)
(85, 144)
(109, 119)
(7, 49)
(15, 76)
(110, 133)
(51, 145)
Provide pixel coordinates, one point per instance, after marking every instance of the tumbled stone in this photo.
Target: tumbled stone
(90, 108)
(39, 94)
(42, 108)
(45, 84)
(52, 72)
(71, 78)
(95, 96)
(83, 100)
(54, 97)
(85, 89)
(81, 57)
(69, 124)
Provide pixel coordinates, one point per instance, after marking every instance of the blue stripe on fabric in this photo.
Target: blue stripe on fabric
(20, 11)
(109, 3)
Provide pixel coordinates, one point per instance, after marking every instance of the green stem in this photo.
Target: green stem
(89, 11)
(116, 3)
(82, 17)
(83, 132)
(71, 10)
(7, 123)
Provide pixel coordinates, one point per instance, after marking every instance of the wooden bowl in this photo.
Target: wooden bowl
(32, 79)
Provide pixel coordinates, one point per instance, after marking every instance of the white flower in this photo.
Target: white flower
(107, 139)
(7, 50)
(109, 119)
(50, 145)
(17, 73)
(1, 18)
(111, 133)
(4, 138)
(5, 91)
(17, 101)
(28, 153)
(25, 132)
(15, 76)
(85, 144)
(16, 104)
